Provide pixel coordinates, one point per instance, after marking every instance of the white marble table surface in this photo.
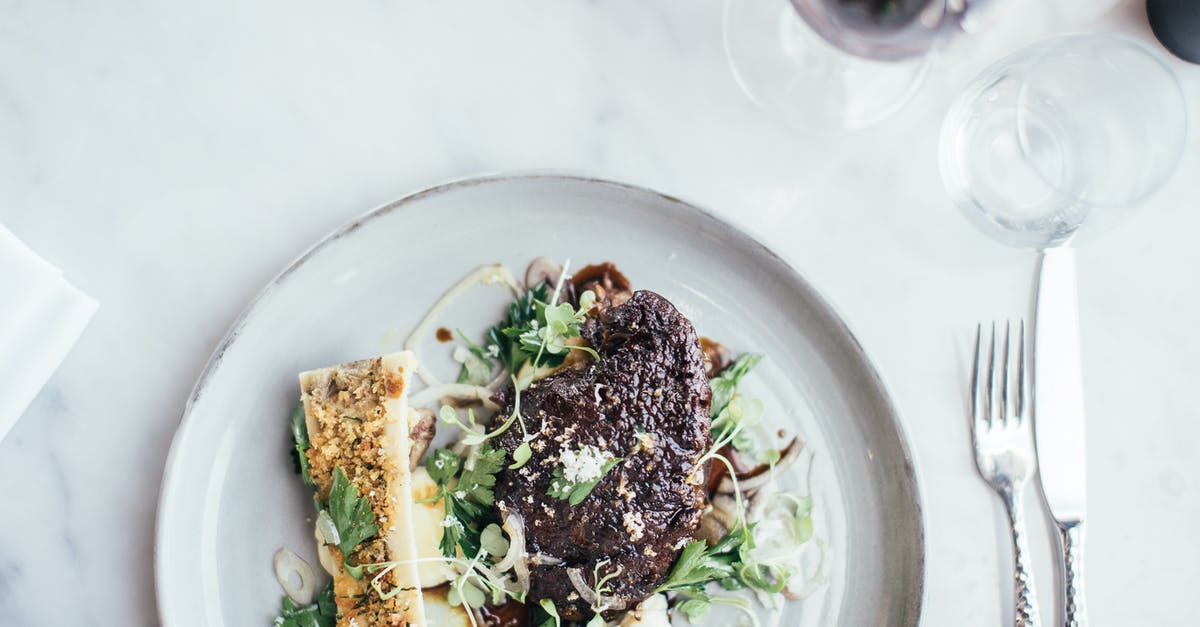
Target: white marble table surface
(172, 156)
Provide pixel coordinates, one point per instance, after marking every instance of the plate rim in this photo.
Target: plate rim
(914, 605)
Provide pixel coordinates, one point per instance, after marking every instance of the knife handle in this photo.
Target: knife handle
(1071, 538)
(1025, 612)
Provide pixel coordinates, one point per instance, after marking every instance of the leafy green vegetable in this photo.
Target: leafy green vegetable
(698, 565)
(537, 330)
(742, 411)
(493, 541)
(322, 613)
(521, 313)
(352, 515)
(724, 385)
(468, 499)
(574, 493)
(477, 363)
(478, 479)
(695, 608)
(521, 456)
(552, 618)
(730, 409)
(300, 435)
(733, 563)
(547, 336)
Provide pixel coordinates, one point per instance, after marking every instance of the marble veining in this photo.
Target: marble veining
(172, 156)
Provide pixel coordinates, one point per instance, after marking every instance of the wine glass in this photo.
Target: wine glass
(1073, 130)
(836, 65)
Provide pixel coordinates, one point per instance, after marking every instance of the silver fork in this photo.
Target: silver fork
(1003, 438)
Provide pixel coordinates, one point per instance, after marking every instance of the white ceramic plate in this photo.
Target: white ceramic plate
(230, 497)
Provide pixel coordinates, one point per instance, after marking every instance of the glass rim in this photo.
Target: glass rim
(1031, 56)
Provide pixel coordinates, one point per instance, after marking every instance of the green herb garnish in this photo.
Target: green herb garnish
(300, 435)
(538, 330)
(546, 337)
(552, 618)
(521, 314)
(724, 385)
(467, 494)
(352, 515)
(574, 492)
(322, 613)
(477, 364)
(730, 409)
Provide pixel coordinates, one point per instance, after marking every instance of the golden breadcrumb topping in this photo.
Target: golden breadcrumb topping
(347, 421)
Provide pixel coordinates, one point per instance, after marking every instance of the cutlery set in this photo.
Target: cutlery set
(1010, 448)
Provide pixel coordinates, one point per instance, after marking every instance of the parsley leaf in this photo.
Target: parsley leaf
(468, 501)
(352, 516)
(322, 613)
(442, 465)
(574, 493)
(698, 565)
(300, 435)
(480, 478)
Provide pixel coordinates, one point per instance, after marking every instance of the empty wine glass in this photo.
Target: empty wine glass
(834, 65)
(1076, 128)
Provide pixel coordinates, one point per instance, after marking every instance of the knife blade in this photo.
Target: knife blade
(1058, 387)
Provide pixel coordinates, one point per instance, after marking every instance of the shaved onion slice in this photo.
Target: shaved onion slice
(459, 391)
(541, 559)
(585, 591)
(516, 558)
(514, 526)
(327, 529)
(288, 563)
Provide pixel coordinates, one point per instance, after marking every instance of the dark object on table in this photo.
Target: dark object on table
(883, 14)
(645, 401)
(1176, 24)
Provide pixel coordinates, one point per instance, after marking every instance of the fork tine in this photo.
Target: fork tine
(976, 416)
(991, 380)
(1004, 374)
(1021, 398)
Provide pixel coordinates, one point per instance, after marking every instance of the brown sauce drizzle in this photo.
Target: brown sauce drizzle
(511, 614)
(717, 356)
(444, 335)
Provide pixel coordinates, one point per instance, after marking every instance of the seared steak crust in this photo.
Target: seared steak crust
(644, 401)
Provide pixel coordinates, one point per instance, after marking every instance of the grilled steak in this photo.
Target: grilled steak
(645, 401)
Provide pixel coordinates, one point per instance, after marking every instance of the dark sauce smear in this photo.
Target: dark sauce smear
(717, 357)
(444, 335)
(511, 614)
(610, 286)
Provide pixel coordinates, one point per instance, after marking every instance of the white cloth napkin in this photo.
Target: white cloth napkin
(41, 317)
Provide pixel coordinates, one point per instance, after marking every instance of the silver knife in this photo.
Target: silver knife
(1058, 419)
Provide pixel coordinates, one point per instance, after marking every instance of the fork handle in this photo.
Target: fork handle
(1025, 612)
(1071, 542)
